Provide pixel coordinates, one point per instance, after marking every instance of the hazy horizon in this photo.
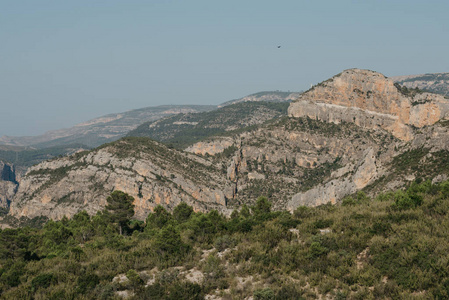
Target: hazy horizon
(64, 63)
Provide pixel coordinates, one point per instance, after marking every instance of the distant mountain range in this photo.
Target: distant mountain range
(111, 127)
(26, 151)
(103, 129)
(271, 96)
(436, 83)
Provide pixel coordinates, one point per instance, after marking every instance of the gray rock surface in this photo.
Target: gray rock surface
(65, 186)
(8, 184)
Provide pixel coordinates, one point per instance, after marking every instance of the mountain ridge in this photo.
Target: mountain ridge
(337, 140)
(103, 129)
(110, 127)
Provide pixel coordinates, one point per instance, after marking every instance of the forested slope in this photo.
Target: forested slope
(392, 247)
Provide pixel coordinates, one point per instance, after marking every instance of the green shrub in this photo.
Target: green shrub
(404, 200)
(290, 291)
(317, 250)
(42, 281)
(87, 281)
(264, 294)
(224, 242)
(134, 279)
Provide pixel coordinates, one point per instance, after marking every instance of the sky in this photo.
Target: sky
(63, 62)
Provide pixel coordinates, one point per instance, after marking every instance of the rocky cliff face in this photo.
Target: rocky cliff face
(8, 184)
(372, 101)
(286, 159)
(356, 131)
(148, 171)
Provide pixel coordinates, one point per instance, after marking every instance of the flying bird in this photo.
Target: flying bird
(279, 47)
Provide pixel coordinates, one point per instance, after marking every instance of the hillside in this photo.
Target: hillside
(182, 130)
(108, 128)
(103, 129)
(269, 96)
(347, 134)
(26, 151)
(149, 171)
(393, 246)
(435, 83)
(356, 131)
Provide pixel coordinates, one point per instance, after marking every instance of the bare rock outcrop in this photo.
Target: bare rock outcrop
(211, 147)
(8, 184)
(336, 189)
(370, 100)
(152, 175)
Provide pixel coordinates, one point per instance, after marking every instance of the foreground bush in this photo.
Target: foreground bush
(393, 246)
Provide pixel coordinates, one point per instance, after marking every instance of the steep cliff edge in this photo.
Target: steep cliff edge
(370, 100)
(8, 184)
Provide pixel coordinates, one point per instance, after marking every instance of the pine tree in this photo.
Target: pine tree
(121, 208)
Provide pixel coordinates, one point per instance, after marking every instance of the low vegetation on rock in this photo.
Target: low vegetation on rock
(182, 130)
(394, 246)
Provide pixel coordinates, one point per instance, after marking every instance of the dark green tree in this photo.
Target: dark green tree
(168, 244)
(135, 280)
(182, 212)
(87, 281)
(121, 208)
(263, 206)
(82, 227)
(159, 218)
(244, 211)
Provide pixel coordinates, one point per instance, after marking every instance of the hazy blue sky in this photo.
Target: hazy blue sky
(63, 62)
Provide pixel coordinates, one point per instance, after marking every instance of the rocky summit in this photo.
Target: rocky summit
(372, 101)
(357, 131)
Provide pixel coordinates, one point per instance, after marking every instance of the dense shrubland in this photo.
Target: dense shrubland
(393, 246)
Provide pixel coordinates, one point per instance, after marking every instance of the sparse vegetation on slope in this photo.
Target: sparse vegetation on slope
(185, 129)
(409, 92)
(435, 83)
(393, 246)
